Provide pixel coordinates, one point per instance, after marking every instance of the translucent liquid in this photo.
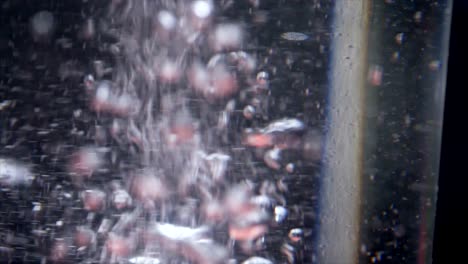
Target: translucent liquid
(219, 131)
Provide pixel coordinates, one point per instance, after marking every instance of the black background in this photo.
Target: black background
(452, 205)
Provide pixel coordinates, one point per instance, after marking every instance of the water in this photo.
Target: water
(219, 131)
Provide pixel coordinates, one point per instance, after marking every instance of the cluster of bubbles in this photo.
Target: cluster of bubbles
(185, 131)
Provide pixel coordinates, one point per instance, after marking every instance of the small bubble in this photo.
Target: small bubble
(375, 75)
(167, 20)
(280, 213)
(42, 25)
(103, 91)
(227, 36)
(296, 234)
(399, 38)
(88, 30)
(417, 17)
(363, 249)
(262, 76)
(294, 36)
(395, 56)
(248, 112)
(434, 65)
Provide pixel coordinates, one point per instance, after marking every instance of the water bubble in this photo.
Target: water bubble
(217, 164)
(121, 199)
(13, 173)
(375, 75)
(89, 82)
(258, 140)
(167, 20)
(312, 146)
(257, 260)
(85, 162)
(88, 30)
(395, 56)
(280, 213)
(227, 36)
(103, 91)
(249, 112)
(272, 158)
(246, 233)
(434, 65)
(202, 9)
(290, 252)
(399, 38)
(285, 125)
(42, 25)
(262, 80)
(290, 167)
(59, 250)
(93, 200)
(245, 62)
(263, 201)
(294, 36)
(296, 234)
(84, 237)
(148, 187)
(417, 16)
(144, 260)
(119, 245)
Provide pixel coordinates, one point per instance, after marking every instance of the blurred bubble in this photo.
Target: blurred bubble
(167, 20)
(399, 38)
(294, 36)
(296, 235)
(375, 75)
(249, 112)
(417, 16)
(281, 213)
(202, 9)
(42, 25)
(227, 36)
(257, 260)
(13, 173)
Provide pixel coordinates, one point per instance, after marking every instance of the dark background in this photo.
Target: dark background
(452, 205)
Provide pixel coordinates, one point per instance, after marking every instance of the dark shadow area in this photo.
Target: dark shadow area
(452, 200)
